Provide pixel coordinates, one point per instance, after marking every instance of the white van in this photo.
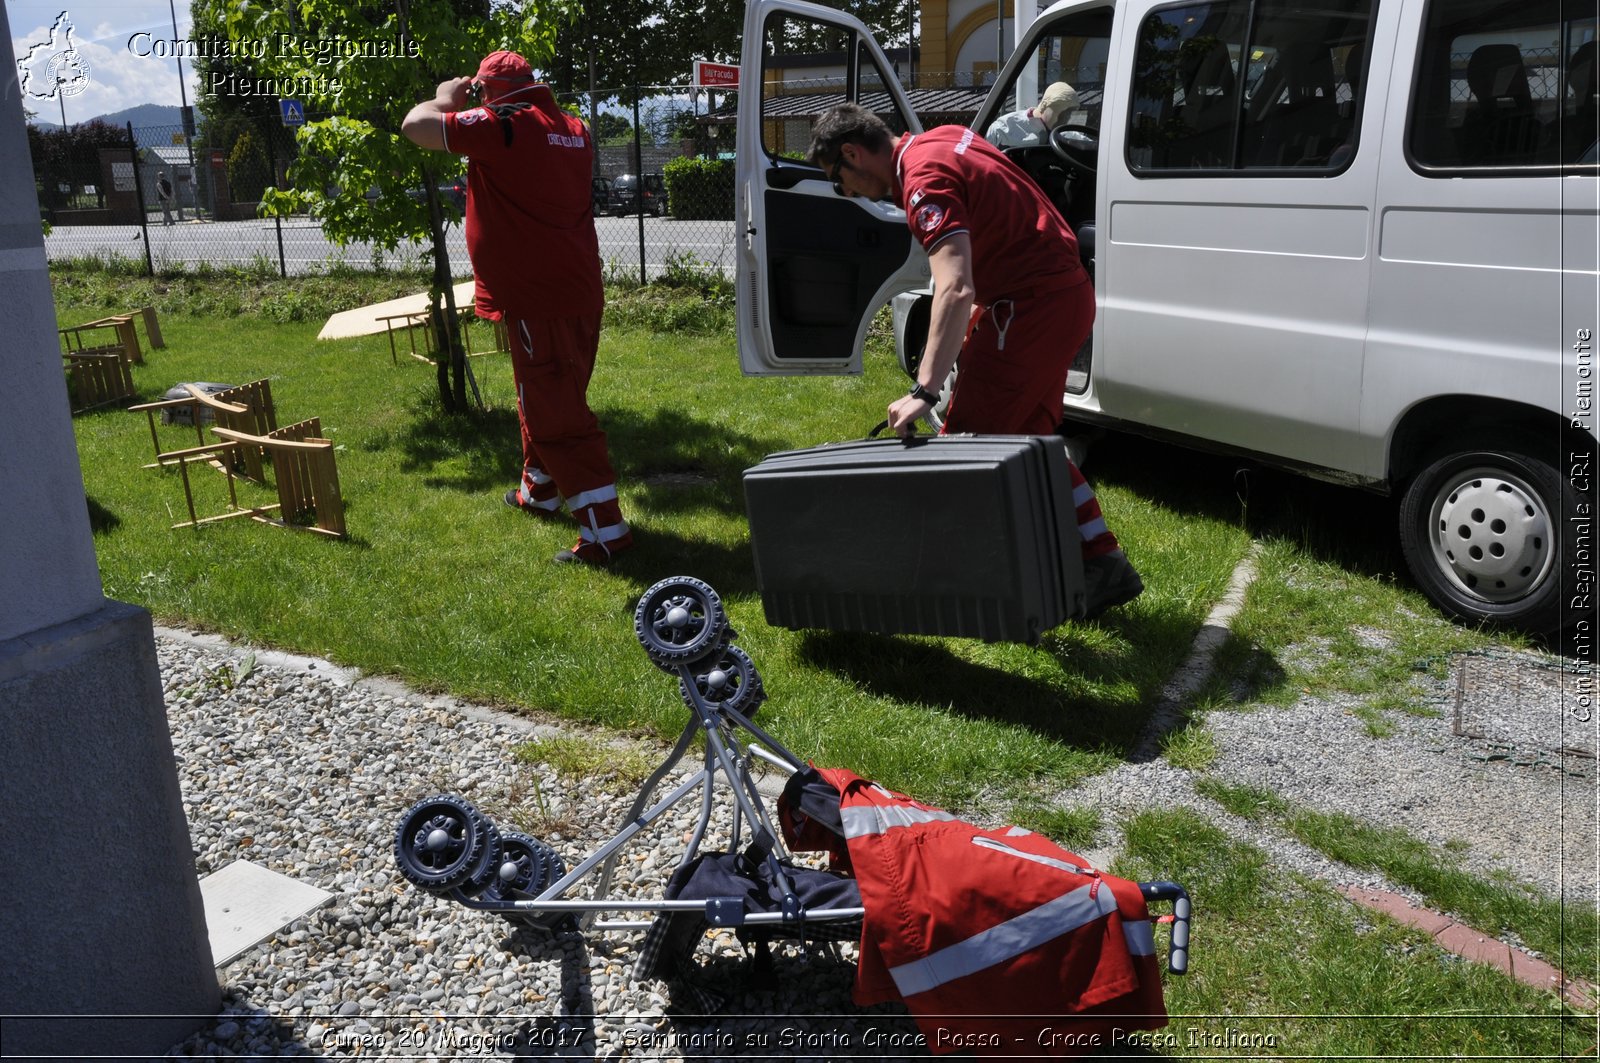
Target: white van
(1355, 238)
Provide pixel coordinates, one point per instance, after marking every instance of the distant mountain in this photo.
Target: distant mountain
(153, 123)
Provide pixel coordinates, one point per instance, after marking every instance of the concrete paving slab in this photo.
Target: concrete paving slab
(246, 903)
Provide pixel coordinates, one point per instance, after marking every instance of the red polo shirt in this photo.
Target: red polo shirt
(950, 180)
(530, 226)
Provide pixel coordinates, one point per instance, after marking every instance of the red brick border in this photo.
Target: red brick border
(1475, 945)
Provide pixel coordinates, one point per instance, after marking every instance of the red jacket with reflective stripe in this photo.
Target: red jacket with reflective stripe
(996, 940)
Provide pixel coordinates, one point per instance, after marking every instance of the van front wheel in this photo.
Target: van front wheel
(1482, 532)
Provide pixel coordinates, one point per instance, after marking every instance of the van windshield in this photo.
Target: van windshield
(1074, 51)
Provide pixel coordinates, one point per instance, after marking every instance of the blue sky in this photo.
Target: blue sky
(117, 77)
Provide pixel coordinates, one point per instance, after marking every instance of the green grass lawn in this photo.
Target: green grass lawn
(444, 586)
(1283, 957)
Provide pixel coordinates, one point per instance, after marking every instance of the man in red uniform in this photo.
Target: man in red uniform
(1010, 295)
(536, 260)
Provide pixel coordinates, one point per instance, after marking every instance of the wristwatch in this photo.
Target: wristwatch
(919, 392)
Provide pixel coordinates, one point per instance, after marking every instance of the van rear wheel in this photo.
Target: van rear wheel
(1483, 533)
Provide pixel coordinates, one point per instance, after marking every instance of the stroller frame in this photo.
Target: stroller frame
(683, 628)
(446, 847)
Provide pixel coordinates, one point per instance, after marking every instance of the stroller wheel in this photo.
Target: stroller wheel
(679, 621)
(482, 875)
(444, 843)
(527, 867)
(728, 681)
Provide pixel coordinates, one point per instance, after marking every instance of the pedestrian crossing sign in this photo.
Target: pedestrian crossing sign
(293, 112)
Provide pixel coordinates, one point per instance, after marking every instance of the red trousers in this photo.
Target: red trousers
(1013, 373)
(564, 456)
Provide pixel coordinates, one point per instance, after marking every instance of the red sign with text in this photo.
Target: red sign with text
(715, 75)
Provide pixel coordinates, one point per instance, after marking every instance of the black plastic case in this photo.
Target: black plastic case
(969, 536)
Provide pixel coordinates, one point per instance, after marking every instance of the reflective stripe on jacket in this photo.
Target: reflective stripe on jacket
(996, 940)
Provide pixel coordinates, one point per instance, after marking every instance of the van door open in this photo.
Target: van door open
(812, 266)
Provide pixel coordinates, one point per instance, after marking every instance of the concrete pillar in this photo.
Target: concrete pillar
(103, 912)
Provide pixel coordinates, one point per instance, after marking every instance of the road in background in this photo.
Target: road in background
(306, 250)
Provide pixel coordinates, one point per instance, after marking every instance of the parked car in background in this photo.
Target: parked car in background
(631, 195)
(601, 194)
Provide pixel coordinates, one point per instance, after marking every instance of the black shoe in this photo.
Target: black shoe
(1108, 581)
(514, 500)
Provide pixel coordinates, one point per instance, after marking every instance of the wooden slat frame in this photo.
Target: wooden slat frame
(150, 409)
(98, 376)
(127, 334)
(306, 473)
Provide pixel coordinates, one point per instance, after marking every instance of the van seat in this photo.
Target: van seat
(1305, 127)
(1500, 126)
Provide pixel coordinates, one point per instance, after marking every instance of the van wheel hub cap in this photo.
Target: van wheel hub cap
(1491, 535)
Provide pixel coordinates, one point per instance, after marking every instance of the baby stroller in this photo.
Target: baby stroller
(447, 847)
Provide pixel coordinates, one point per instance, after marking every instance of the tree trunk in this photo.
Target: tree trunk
(452, 363)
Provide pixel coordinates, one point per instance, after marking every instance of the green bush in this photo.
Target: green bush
(700, 189)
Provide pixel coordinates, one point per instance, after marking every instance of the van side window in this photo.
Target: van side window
(1504, 87)
(1234, 86)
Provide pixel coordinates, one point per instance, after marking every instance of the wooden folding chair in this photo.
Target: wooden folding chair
(246, 408)
(91, 335)
(97, 376)
(303, 467)
(411, 322)
(500, 338)
(152, 327)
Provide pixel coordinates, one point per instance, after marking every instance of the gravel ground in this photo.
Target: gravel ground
(305, 769)
(1515, 794)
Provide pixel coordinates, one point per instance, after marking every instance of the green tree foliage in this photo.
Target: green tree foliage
(71, 157)
(610, 128)
(655, 43)
(248, 169)
(356, 95)
(228, 115)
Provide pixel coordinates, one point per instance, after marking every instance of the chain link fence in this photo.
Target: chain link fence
(158, 199)
(663, 193)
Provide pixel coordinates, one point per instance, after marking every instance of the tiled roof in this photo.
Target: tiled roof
(923, 101)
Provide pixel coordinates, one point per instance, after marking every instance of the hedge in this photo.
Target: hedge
(700, 189)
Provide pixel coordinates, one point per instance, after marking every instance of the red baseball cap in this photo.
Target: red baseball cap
(506, 66)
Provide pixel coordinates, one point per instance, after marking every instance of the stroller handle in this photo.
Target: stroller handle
(1178, 948)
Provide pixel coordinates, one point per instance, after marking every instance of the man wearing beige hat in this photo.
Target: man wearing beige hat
(536, 262)
(1031, 128)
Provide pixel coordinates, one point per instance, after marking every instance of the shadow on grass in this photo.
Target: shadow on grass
(1246, 672)
(679, 460)
(1122, 681)
(1354, 529)
(485, 442)
(659, 553)
(101, 519)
